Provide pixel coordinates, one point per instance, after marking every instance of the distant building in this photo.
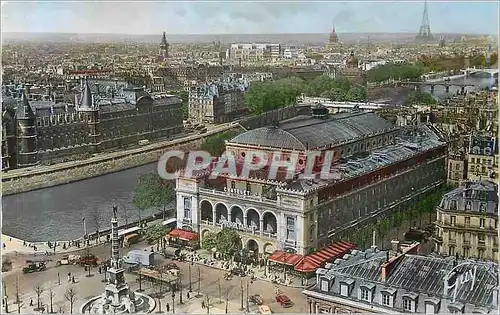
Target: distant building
(457, 168)
(255, 52)
(482, 158)
(163, 54)
(352, 70)
(467, 221)
(389, 282)
(216, 102)
(45, 131)
(333, 39)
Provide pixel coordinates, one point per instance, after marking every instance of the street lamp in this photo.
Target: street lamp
(190, 282)
(173, 300)
(105, 267)
(140, 278)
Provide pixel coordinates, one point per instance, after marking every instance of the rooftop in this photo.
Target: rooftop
(412, 275)
(307, 133)
(479, 196)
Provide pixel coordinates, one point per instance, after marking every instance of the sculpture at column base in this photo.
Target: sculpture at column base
(117, 296)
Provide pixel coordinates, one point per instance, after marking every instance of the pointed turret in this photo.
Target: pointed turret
(86, 100)
(333, 36)
(164, 39)
(27, 110)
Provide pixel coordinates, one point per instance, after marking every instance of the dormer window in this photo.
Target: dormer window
(387, 297)
(366, 292)
(456, 308)
(432, 306)
(410, 302)
(346, 287)
(327, 282)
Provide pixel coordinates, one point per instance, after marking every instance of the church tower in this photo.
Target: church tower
(27, 145)
(334, 39)
(164, 48)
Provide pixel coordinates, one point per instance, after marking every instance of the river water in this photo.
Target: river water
(56, 213)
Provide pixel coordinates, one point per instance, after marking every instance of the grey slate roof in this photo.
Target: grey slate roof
(479, 196)
(306, 132)
(421, 276)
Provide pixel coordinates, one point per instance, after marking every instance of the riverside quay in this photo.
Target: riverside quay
(383, 169)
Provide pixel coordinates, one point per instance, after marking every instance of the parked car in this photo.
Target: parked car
(264, 309)
(256, 299)
(284, 301)
(34, 266)
(228, 276)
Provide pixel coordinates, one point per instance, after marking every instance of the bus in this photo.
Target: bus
(130, 236)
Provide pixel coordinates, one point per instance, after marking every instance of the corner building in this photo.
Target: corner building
(467, 221)
(382, 167)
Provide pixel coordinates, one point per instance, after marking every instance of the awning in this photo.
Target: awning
(282, 257)
(183, 234)
(314, 260)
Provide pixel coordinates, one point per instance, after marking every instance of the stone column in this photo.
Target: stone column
(310, 306)
(261, 227)
(245, 220)
(214, 216)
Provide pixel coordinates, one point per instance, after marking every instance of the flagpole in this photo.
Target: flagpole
(84, 230)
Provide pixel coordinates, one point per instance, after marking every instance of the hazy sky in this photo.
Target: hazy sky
(219, 17)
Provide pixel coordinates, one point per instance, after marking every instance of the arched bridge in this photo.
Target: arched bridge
(446, 85)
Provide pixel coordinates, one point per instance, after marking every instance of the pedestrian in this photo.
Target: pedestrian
(99, 269)
(168, 307)
(73, 279)
(31, 301)
(202, 304)
(24, 243)
(188, 295)
(4, 245)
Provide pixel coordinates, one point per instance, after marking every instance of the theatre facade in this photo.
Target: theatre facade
(382, 168)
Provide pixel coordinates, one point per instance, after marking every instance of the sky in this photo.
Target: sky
(247, 17)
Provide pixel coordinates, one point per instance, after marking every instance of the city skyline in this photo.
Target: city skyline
(228, 17)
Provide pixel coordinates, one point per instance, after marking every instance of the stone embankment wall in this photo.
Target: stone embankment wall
(24, 184)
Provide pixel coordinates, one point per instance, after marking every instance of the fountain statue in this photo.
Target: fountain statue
(117, 296)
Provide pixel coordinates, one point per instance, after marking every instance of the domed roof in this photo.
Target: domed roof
(273, 137)
(472, 197)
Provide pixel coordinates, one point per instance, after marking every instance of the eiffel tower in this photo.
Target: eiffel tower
(424, 34)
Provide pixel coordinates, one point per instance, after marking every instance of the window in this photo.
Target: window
(482, 207)
(365, 294)
(249, 187)
(453, 236)
(453, 220)
(451, 250)
(290, 228)
(480, 238)
(233, 185)
(407, 305)
(481, 222)
(468, 205)
(467, 221)
(187, 207)
(386, 299)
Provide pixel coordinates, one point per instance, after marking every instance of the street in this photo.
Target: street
(86, 287)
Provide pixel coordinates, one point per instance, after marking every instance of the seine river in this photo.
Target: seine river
(56, 213)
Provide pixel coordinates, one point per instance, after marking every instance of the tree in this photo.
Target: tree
(209, 241)
(70, 296)
(264, 96)
(156, 233)
(52, 294)
(356, 94)
(228, 242)
(418, 98)
(215, 144)
(39, 289)
(335, 94)
(152, 191)
(95, 218)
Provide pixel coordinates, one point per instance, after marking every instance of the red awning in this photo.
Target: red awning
(282, 257)
(183, 234)
(314, 260)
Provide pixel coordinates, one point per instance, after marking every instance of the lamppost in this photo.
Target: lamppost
(140, 278)
(199, 282)
(180, 288)
(248, 297)
(190, 282)
(173, 300)
(5, 298)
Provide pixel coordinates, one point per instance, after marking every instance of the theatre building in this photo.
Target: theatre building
(389, 282)
(381, 168)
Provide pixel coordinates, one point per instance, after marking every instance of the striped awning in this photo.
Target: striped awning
(314, 260)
